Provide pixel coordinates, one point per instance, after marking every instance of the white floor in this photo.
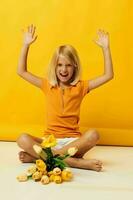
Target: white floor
(114, 182)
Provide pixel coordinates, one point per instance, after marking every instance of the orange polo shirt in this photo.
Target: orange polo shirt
(63, 108)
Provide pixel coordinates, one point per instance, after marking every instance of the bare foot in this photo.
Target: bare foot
(81, 163)
(93, 164)
(24, 157)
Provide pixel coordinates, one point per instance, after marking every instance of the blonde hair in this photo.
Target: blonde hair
(71, 54)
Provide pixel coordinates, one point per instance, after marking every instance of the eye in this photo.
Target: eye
(69, 65)
(59, 64)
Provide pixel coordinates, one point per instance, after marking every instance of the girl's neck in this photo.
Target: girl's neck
(64, 85)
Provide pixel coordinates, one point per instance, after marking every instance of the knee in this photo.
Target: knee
(22, 140)
(92, 135)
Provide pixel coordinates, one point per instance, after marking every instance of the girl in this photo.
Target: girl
(64, 91)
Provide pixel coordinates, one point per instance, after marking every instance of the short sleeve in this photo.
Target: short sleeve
(44, 85)
(85, 87)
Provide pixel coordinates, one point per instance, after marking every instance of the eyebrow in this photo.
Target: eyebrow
(62, 64)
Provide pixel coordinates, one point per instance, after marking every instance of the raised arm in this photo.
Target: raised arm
(29, 38)
(103, 42)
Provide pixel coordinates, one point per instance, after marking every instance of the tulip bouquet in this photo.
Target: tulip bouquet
(49, 167)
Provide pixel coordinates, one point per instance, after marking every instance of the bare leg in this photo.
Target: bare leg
(26, 142)
(84, 143)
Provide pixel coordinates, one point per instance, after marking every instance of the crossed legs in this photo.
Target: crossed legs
(84, 143)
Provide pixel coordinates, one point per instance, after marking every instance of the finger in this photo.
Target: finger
(104, 33)
(34, 38)
(107, 34)
(99, 32)
(96, 42)
(33, 30)
(30, 28)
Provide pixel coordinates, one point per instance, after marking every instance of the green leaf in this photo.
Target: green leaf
(49, 153)
(60, 163)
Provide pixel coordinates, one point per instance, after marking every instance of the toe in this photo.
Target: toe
(99, 163)
(99, 169)
(20, 153)
(21, 156)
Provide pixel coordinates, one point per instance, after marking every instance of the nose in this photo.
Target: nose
(64, 68)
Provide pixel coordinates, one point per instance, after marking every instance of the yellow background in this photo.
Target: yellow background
(108, 108)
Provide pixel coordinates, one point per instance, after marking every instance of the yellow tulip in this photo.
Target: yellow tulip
(51, 178)
(66, 175)
(50, 173)
(31, 170)
(45, 179)
(45, 172)
(56, 171)
(41, 166)
(37, 149)
(49, 141)
(72, 151)
(37, 176)
(22, 178)
(40, 151)
(57, 179)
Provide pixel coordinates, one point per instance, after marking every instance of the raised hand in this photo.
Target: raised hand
(29, 35)
(103, 39)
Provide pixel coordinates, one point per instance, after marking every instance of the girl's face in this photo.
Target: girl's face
(64, 70)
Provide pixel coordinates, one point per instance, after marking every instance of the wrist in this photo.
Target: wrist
(106, 48)
(25, 45)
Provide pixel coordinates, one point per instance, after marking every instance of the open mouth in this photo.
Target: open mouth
(63, 75)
